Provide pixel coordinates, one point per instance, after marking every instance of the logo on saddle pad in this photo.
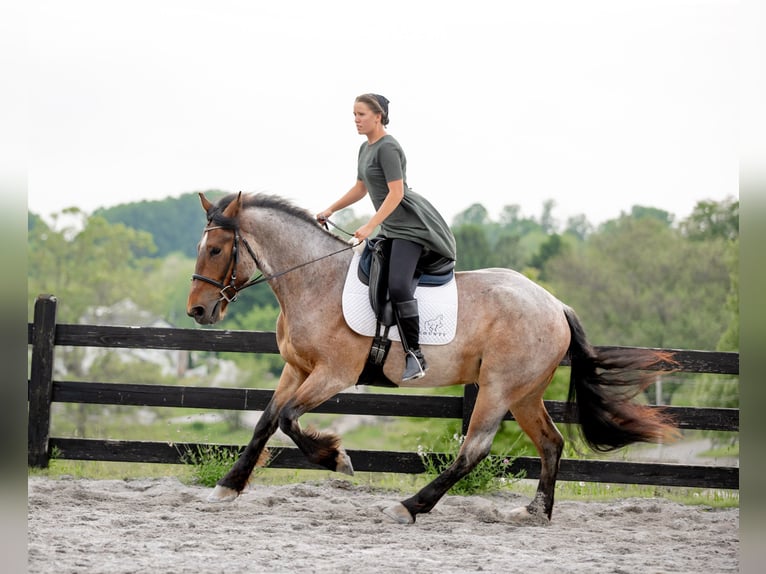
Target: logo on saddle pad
(433, 327)
(437, 306)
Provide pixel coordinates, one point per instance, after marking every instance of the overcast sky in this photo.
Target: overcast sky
(598, 105)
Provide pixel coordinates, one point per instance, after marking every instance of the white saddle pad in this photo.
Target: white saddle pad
(437, 307)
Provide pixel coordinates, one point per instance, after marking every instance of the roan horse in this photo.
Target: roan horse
(512, 334)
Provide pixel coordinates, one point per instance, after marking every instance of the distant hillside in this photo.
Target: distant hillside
(175, 223)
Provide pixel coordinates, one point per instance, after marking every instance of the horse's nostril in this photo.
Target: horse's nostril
(196, 311)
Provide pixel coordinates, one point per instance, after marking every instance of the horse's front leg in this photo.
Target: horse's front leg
(234, 482)
(319, 447)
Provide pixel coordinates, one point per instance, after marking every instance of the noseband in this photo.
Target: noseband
(234, 260)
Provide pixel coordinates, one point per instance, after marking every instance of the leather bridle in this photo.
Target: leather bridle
(233, 261)
(230, 292)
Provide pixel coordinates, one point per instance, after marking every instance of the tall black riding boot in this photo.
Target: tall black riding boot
(408, 321)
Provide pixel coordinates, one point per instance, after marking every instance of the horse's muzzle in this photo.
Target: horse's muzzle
(201, 315)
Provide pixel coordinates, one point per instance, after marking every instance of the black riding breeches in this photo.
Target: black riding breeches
(403, 260)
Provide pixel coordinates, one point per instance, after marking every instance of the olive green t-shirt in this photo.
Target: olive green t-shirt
(414, 218)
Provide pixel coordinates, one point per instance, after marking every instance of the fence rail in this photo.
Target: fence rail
(44, 335)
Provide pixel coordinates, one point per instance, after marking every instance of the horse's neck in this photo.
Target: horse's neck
(304, 256)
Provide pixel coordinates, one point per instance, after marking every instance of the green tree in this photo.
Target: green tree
(176, 224)
(507, 252)
(172, 276)
(476, 214)
(547, 221)
(578, 226)
(638, 212)
(510, 215)
(641, 212)
(88, 262)
(528, 236)
(473, 251)
(713, 219)
(553, 246)
(716, 390)
(640, 282)
(730, 339)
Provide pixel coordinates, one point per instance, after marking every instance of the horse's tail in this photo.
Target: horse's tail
(602, 387)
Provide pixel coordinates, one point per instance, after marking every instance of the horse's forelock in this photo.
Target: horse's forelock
(215, 214)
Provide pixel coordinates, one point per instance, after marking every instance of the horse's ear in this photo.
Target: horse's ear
(232, 210)
(206, 205)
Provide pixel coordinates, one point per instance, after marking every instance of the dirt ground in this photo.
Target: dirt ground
(163, 525)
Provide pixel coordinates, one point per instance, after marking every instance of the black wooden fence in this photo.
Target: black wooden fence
(44, 335)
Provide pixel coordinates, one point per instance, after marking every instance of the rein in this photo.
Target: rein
(261, 278)
(324, 222)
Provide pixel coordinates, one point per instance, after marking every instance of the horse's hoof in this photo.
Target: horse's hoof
(522, 515)
(398, 513)
(521, 512)
(344, 464)
(222, 494)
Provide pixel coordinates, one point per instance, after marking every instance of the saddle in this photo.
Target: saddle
(432, 270)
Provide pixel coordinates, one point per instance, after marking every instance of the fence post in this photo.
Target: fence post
(41, 381)
(470, 392)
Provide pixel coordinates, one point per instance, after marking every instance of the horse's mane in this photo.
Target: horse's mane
(215, 214)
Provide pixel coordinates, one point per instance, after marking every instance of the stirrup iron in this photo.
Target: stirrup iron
(415, 366)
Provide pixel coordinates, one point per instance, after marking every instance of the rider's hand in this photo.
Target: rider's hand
(323, 216)
(364, 231)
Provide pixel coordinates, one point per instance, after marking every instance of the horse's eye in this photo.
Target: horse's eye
(215, 251)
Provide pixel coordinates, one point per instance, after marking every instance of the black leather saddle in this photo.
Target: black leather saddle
(432, 270)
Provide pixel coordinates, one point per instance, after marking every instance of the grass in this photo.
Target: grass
(398, 434)
(102, 470)
(600, 492)
(723, 451)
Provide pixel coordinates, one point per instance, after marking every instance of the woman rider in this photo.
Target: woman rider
(411, 226)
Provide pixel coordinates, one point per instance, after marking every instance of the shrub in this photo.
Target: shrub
(210, 463)
(493, 473)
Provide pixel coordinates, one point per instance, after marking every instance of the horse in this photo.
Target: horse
(511, 337)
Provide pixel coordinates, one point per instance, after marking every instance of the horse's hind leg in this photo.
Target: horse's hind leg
(534, 420)
(234, 482)
(488, 413)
